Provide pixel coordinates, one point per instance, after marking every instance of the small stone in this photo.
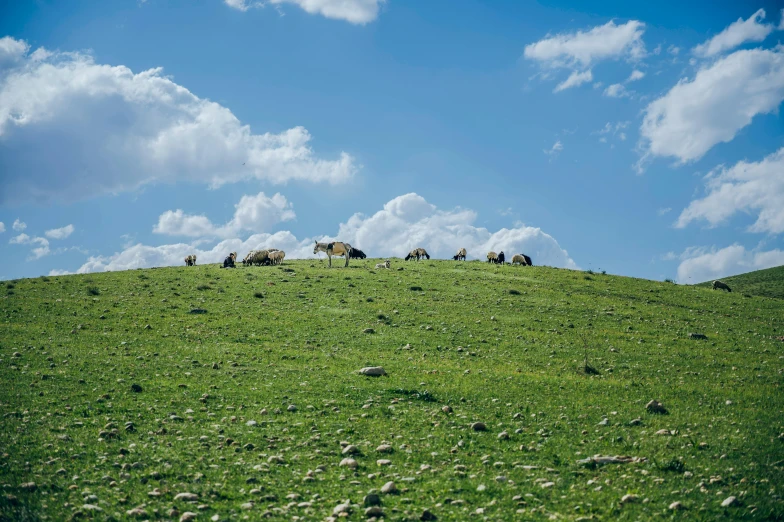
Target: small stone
(503, 436)
(187, 497)
(384, 448)
(251, 423)
(91, 507)
(603, 422)
(677, 506)
(373, 371)
(655, 406)
(383, 462)
(479, 426)
(545, 485)
(342, 508)
(246, 505)
(635, 422)
(350, 450)
(729, 502)
(291, 408)
(28, 486)
(188, 515)
(349, 463)
(136, 388)
(371, 499)
(447, 409)
(374, 511)
(663, 432)
(481, 487)
(137, 512)
(629, 498)
(368, 331)
(389, 488)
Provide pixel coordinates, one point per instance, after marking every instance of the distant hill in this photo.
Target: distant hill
(767, 283)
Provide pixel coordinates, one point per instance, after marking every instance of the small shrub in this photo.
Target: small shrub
(204, 287)
(674, 465)
(588, 278)
(514, 292)
(668, 280)
(93, 291)
(258, 295)
(589, 272)
(604, 272)
(45, 279)
(10, 286)
(416, 288)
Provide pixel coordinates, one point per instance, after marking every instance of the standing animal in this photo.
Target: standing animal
(277, 256)
(461, 255)
(229, 261)
(335, 248)
(356, 253)
(418, 253)
(501, 258)
(492, 257)
(190, 260)
(521, 259)
(385, 264)
(247, 259)
(721, 285)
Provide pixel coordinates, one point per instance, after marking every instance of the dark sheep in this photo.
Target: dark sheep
(721, 285)
(356, 253)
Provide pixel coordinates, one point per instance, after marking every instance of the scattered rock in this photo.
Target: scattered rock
(137, 512)
(427, 515)
(187, 497)
(384, 448)
(291, 408)
(729, 502)
(663, 432)
(251, 423)
(655, 406)
(188, 515)
(503, 436)
(677, 506)
(373, 371)
(447, 409)
(246, 505)
(342, 508)
(635, 422)
(629, 498)
(546, 485)
(481, 487)
(136, 388)
(350, 450)
(368, 331)
(389, 488)
(28, 486)
(91, 507)
(349, 463)
(600, 460)
(479, 426)
(374, 511)
(371, 499)
(383, 462)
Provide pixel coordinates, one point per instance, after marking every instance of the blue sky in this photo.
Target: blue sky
(644, 140)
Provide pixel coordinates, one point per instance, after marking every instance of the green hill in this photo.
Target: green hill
(767, 283)
(121, 391)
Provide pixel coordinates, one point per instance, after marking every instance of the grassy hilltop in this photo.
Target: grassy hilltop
(767, 283)
(245, 406)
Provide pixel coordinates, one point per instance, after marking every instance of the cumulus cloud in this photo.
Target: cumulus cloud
(2, 227)
(555, 149)
(574, 80)
(722, 99)
(352, 11)
(58, 272)
(253, 213)
(751, 187)
(583, 49)
(19, 225)
(616, 90)
(60, 233)
(700, 264)
(405, 222)
(636, 75)
(737, 33)
(41, 250)
(107, 130)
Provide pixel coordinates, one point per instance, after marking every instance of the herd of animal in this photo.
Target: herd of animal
(273, 256)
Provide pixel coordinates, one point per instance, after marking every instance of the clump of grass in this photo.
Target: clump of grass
(204, 287)
(514, 292)
(258, 295)
(45, 279)
(10, 286)
(588, 278)
(416, 288)
(589, 272)
(673, 465)
(668, 280)
(93, 290)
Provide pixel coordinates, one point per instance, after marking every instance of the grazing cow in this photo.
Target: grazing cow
(229, 261)
(461, 255)
(721, 285)
(418, 253)
(385, 264)
(492, 257)
(336, 248)
(356, 253)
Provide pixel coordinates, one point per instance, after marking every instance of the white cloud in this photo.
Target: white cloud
(582, 49)
(353, 11)
(253, 213)
(781, 21)
(751, 187)
(704, 265)
(108, 130)
(60, 233)
(58, 272)
(575, 79)
(636, 75)
(38, 252)
(19, 225)
(405, 222)
(673, 50)
(2, 227)
(722, 99)
(556, 148)
(12, 50)
(737, 33)
(616, 90)
(663, 210)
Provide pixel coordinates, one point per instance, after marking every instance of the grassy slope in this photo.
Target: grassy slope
(767, 283)
(301, 344)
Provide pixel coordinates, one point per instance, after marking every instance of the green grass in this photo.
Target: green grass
(507, 346)
(767, 283)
